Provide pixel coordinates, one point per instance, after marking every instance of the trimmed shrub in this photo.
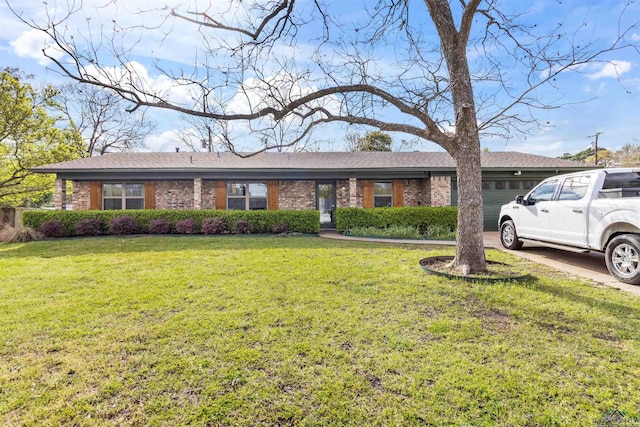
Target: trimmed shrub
(159, 226)
(52, 228)
(186, 226)
(89, 227)
(261, 221)
(10, 234)
(123, 225)
(281, 227)
(242, 226)
(214, 226)
(421, 217)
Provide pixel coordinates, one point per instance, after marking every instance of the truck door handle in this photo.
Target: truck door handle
(544, 210)
(577, 210)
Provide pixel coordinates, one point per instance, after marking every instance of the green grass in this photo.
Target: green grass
(300, 331)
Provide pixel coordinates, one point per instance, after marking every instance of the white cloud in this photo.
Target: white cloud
(138, 27)
(273, 91)
(541, 148)
(165, 141)
(613, 69)
(135, 75)
(635, 37)
(30, 45)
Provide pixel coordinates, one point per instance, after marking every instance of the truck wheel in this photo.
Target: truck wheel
(509, 236)
(623, 258)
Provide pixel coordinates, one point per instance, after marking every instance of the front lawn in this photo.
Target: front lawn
(300, 331)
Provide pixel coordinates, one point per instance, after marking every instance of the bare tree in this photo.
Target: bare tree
(351, 141)
(204, 134)
(458, 69)
(101, 116)
(201, 134)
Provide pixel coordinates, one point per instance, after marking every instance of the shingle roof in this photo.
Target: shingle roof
(312, 161)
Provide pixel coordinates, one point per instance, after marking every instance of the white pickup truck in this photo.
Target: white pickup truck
(595, 210)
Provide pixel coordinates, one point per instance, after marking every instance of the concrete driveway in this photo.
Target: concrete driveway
(589, 266)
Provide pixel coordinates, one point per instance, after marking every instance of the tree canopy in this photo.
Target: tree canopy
(374, 141)
(627, 156)
(29, 136)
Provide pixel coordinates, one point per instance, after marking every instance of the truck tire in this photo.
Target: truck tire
(623, 258)
(509, 236)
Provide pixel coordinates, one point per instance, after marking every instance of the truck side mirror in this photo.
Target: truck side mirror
(520, 199)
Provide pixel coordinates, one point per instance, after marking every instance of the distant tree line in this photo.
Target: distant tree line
(627, 156)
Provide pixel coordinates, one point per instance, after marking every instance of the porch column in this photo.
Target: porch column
(440, 191)
(353, 193)
(60, 200)
(197, 193)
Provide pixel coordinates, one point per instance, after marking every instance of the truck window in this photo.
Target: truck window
(574, 188)
(544, 191)
(621, 180)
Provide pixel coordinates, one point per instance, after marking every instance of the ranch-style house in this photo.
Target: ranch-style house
(288, 180)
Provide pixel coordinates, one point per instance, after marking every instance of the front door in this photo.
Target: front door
(326, 203)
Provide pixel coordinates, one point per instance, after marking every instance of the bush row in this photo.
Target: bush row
(160, 221)
(421, 217)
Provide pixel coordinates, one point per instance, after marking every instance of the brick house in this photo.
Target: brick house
(307, 180)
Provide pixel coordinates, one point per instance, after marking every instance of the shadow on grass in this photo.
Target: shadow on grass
(76, 246)
(614, 308)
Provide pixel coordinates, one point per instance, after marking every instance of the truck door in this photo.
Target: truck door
(568, 214)
(534, 213)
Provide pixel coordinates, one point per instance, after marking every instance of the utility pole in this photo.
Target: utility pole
(596, 145)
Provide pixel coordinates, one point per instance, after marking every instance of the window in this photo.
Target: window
(621, 180)
(122, 196)
(574, 188)
(514, 185)
(494, 185)
(544, 191)
(246, 196)
(382, 194)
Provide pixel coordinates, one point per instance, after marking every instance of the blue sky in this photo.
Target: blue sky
(602, 97)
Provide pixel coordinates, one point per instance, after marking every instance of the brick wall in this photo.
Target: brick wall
(342, 194)
(60, 195)
(81, 196)
(292, 195)
(174, 194)
(296, 195)
(208, 194)
(197, 193)
(440, 191)
(417, 192)
(356, 196)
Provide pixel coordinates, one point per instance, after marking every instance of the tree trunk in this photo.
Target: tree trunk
(469, 241)
(464, 146)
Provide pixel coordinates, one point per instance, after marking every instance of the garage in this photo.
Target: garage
(495, 193)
